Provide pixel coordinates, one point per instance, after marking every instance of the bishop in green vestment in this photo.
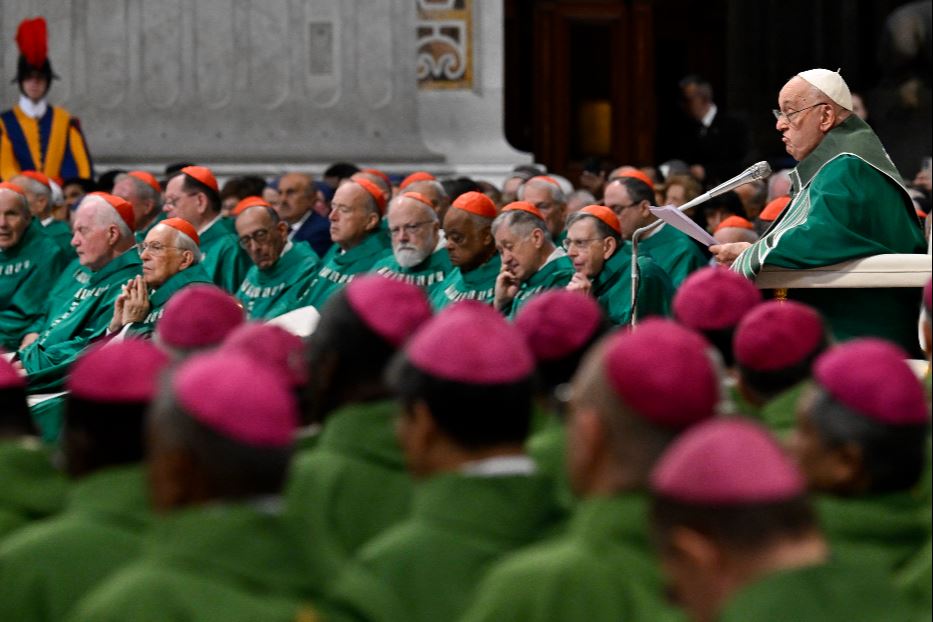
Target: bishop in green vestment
(471, 249)
(29, 264)
(531, 263)
(626, 410)
(48, 566)
(848, 201)
(463, 426)
(279, 266)
(104, 244)
(219, 548)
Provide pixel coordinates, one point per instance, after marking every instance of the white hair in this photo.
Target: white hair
(106, 215)
(23, 204)
(554, 191)
(185, 243)
(36, 187)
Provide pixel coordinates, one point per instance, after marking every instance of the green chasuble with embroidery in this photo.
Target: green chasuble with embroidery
(72, 278)
(158, 299)
(221, 256)
(262, 291)
(427, 275)
(47, 567)
(216, 562)
(30, 486)
(555, 273)
(27, 274)
(338, 267)
(460, 524)
(353, 484)
(84, 317)
(833, 592)
(612, 287)
(848, 202)
(675, 252)
(601, 570)
(477, 284)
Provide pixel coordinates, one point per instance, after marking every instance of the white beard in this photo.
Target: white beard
(409, 256)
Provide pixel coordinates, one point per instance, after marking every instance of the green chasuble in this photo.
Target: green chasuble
(612, 287)
(353, 484)
(71, 279)
(27, 274)
(46, 568)
(262, 291)
(477, 284)
(142, 233)
(338, 267)
(30, 487)
(84, 317)
(556, 272)
(221, 256)
(675, 252)
(601, 570)
(915, 581)
(217, 562)
(427, 275)
(547, 446)
(831, 592)
(158, 299)
(60, 232)
(460, 524)
(848, 202)
(881, 531)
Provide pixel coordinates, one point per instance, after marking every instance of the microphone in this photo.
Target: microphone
(759, 170)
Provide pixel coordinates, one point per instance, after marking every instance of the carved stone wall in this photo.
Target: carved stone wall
(258, 85)
(232, 80)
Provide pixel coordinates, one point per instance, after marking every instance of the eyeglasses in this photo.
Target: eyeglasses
(173, 201)
(792, 113)
(258, 237)
(154, 248)
(409, 229)
(578, 244)
(618, 207)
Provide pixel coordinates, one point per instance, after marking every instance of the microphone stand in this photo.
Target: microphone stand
(752, 173)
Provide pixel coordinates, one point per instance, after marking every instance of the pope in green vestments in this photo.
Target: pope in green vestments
(264, 291)
(71, 327)
(28, 270)
(47, 567)
(674, 251)
(32, 488)
(353, 484)
(601, 570)
(848, 201)
(477, 284)
(221, 256)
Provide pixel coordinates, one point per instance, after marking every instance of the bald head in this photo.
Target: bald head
(297, 196)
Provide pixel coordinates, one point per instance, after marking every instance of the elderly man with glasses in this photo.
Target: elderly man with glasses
(418, 255)
(279, 264)
(171, 259)
(849, 201)
(603, 267)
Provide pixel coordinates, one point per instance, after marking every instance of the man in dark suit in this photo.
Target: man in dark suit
(297, 208)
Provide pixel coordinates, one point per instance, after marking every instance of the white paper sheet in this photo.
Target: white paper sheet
(680, 221)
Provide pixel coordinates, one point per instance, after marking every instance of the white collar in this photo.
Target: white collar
(45, 222)
(557, 253)
(499, 466)
(209, 225)
(293, 229)
(707, 119)
(33, 110)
